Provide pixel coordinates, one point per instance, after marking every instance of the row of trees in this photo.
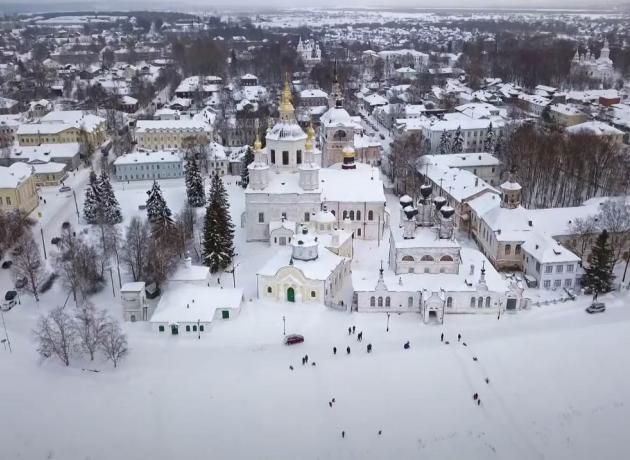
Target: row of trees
(86, 331)
(559, 170)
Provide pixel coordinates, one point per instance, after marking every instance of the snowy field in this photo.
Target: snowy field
(559, 379)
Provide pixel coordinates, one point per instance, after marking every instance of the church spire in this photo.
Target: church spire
(287, 112)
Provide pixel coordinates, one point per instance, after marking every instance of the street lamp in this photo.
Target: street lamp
(284, 325)
(387, 322)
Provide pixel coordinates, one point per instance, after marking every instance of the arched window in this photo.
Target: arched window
(380, 301)
(488, 302)
(358, 215)
(446, 259)
(332, 211)
(449, 302)
(358, 232)
(370, 215)
(187, 328)
(387, 301)
(351, 215)
(372, 301)
(339, 135)
(508, 249)
(407, 259)
(345, 214)
(480, 302)
(427, 259)
(269, 289)
(517, 249)
(410, 302)
(472, 302)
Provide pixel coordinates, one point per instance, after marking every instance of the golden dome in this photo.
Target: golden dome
(285, 104)
(348, 152)
(257, 143)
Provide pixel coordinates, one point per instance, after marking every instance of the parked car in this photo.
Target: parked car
(65, 225)
(596, 307)
(10, 300)
(55, 240)
(65, 189)
(7, 264)
(292, 339)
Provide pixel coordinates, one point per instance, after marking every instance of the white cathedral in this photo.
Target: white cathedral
(287, 185)
(309, 51)
(600, 68)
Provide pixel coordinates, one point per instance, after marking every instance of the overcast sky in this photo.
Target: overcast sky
(253, 5)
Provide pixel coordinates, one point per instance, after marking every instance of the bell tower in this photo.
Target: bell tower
(510, 193)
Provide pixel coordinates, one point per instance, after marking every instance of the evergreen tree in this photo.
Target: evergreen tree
(445, 143)
(218, 231)
(92, 200)
(488, 143)
(599, 275)
(498, 145)
(194, 184)
(158, 213)
(248, 158)
(457, 145)
(109, 207)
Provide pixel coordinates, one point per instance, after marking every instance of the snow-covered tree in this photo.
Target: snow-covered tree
(194, 184)
(445, 143)
(599, 274)
(114, 342)
(27, 264)
(134, 253)
(218, 232)
(55, 335)
(248, 158)
(457, 145)
(109, 209)
(158, 212)
(498, 145)
(488, 143)
(92, 199)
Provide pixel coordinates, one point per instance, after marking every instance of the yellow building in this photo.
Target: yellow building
(17, 188)
(60, 127)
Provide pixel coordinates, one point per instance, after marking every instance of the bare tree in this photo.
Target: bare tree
(114, 342)
(55, 334)
(78, 266)
(90, 327)
(27, 264)
(583, 229)
(134, 252)
(614, 217)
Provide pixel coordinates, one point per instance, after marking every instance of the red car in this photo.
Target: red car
(292, 339)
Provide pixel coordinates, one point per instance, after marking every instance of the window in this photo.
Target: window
(299, 156)
(488, 302)
(548, 268)
(358, 215)
(547, 284)
(201, 328)
(559, 268)
(446, 258)
(449, 302)
(273, 156)
(284, 215)
(345, 214)
(8, 201)
(407, 259)
(307, 217)
(313, 293)
(261, 217)
(410, 302)
(517, 249)
(387, 301)
(380, 301)
(351, 215)
(372, 301)
(285, 157)
(194, 328)
(427, 259)
(161, 328)
(480, 302)
(472, 302)
(187, 328)
(557, 283)
(538, 267)
(269, 290)
(570, 268)
(370, 215)
(568, 282)
(358, 232)
(508, 249)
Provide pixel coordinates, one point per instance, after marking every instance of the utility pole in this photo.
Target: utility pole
(6, 334)
(76, 205)
(43, 242)
(284, 325)
(111, 276)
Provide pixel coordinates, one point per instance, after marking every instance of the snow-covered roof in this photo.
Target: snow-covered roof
(423, 237)
(133, 287)
(463, 160)
(461, 184)
(148, 157)
(195, 124)
(77, 118)
(45, 152)
(595, 127)
(50, 167)
(308, 93)
(336, 116)
(318, 269)
(14, 175)
(188, 303)
(547, 250)
(286, 131)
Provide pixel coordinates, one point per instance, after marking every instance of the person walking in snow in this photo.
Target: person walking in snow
(333, 400)
(475, 396)
(303, 362)
(350, 331)
(329, 404)
(442, 337)
(334, 350)
(369, 348)
(459, 337)
(479, 402)
(487, 380)
(348, 350)
(353, 329)
(360, 336)
(343, 434)
(406, 345)
(380, 432)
